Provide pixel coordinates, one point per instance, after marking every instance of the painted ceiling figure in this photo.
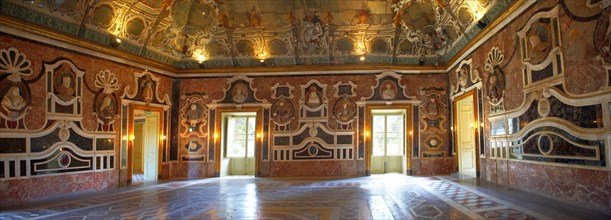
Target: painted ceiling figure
(12, 102)
(363, 15)
(254, 18)
(328, 18)
(291, 19)
(221, 18)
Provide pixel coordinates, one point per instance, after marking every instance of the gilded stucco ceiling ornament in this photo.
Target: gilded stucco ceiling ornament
(191, 26)
(173, 31)
(432, 39)
(313, 34)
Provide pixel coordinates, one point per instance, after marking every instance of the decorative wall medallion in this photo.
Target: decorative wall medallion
(106, 108)
(313, 97)
(13, 100)
(193, 146)
(147, 88)
(239, 93)
(433, 142)
(194, 114)
(388, 90)
(541, 50)
(433, 110)
(543, 107)
(282, 111)
(14, 92)
(313, 103)
(466, 79)
(545, 144)
(432, 106)
(495, 84)
(64, 89)
(344, 110)
(539, 41)
(312, 150)
(65, 83)
(106, 103)
(64, 134)
(313, 131)
(63, 159)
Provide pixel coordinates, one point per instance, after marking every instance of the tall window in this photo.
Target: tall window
(388, 135)
(240, 136)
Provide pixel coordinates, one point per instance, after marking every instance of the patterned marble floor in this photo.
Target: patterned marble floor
(376, 197)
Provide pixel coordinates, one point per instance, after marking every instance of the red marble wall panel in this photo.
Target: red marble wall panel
(190, 170)
(575, 185)
(19, 191)
(313, 168)
(436, 166)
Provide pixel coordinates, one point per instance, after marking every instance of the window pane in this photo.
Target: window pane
(395, 123)
(378, 146)
(251, 147)
(378, 123)
(251, 126)
(395, 146)
(251, 136)
(236, 139)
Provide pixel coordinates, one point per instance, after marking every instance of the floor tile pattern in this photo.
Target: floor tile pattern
(376, 197)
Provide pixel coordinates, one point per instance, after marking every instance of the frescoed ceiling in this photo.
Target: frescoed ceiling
(195, 34)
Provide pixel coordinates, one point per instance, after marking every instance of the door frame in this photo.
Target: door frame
(218, 120)
(475, 129)
(130, 147)
(408, 136)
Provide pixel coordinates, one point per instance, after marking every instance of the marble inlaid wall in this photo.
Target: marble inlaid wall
(214, 91)
(83, 152)
(545, 93)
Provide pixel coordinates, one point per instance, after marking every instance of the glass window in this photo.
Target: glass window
(240, 136)
(388, 135)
